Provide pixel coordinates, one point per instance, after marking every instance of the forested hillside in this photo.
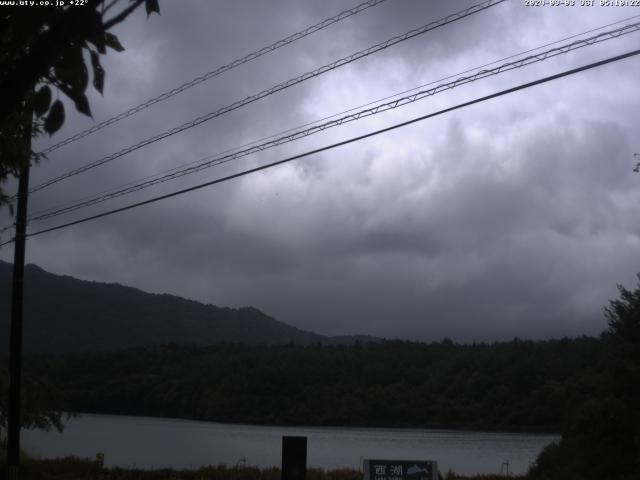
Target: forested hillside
(519, 385)
(64, 314)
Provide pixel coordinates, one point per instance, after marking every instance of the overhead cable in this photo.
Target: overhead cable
(209, 162)
(218, 71)
(338, 144)
(323, 119)
(289, 83)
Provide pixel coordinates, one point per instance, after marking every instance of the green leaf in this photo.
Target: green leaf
(98, 71)
(41, 101)
(55, 119)
(82, 104)
(112, 41)
(152, 6)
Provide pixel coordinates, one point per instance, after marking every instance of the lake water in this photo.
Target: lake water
(158, 442)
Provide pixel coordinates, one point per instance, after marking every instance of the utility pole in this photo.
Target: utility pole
(15, 347)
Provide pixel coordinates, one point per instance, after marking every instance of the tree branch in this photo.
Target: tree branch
(122, 15)
(105, 9)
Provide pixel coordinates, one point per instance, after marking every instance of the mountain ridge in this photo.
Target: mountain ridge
(64, 314)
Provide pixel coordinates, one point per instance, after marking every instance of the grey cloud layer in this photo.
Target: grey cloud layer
(514, 218)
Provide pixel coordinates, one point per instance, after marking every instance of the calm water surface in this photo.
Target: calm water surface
(158, 442)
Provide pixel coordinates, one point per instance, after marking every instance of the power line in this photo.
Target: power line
(289, 130)
(211, 161)
(40, 214)
(289, 83)
(218, 71)
(338, 144)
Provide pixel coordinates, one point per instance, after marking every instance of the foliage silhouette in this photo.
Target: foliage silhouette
(388, 384)
(43, 48)
(40, 48)
(601, 438)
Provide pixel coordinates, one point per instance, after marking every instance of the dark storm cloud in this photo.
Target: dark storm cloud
(513, 218)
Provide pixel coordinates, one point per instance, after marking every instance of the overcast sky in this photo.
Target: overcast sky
(514, 217)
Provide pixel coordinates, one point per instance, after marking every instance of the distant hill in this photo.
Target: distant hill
(64, 314)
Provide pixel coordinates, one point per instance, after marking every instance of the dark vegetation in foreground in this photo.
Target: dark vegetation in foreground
(601, 436)
(519, 385)
(75, 469)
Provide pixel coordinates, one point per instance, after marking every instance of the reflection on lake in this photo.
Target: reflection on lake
(158, 442)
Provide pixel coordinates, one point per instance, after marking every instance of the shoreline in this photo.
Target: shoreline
(523, 431)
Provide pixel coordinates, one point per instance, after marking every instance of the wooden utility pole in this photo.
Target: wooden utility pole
(15, 346)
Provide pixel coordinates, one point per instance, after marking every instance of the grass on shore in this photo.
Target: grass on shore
(72, 468)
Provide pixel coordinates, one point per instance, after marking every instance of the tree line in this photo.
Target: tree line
(517, 385)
